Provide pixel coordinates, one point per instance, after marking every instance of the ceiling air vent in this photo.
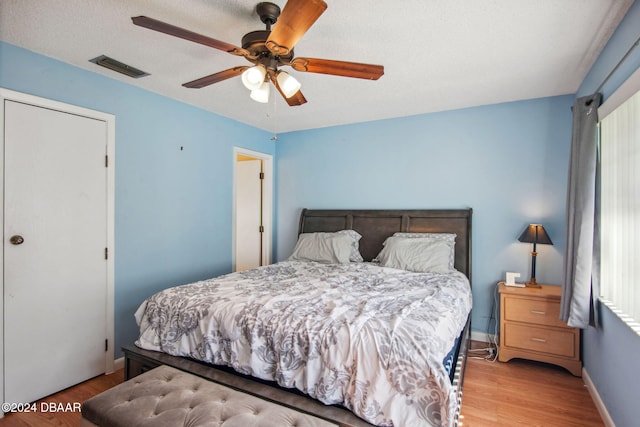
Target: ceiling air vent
(118, 66)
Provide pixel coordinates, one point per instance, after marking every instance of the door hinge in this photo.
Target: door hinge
(261, 229)
(106, 345)
(261, 175)
(106, 161)
(106, 253)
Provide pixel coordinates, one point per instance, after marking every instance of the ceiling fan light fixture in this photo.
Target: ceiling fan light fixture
(288, 84)
(253, 77)
(261, 94)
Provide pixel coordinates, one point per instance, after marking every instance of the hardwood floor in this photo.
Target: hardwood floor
(44, 415)
(524, 393)
(518, 393)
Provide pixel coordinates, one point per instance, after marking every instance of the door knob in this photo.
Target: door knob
(16, 240)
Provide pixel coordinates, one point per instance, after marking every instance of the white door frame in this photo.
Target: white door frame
(267, 202)
(109, 119)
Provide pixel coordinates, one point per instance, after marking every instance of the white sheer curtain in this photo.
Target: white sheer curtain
(581, 287)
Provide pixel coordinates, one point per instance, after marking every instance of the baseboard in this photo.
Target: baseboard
(118, 364)
(606, 418)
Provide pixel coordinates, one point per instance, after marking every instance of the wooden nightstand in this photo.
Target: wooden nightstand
(530, 328)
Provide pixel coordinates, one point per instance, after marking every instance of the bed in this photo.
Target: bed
(355, 335)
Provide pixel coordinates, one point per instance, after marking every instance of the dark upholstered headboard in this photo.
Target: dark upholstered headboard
(376, 225)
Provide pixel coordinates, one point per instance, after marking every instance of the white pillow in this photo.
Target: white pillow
(421, 255)
(449, 237)
(355, 255)
(323, 247)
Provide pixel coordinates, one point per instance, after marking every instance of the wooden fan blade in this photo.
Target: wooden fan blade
(215, 78)
(294, 21)
(338, 68)
(294, 100)
(163, 27)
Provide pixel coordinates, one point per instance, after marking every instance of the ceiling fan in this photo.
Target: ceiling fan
(270, 49)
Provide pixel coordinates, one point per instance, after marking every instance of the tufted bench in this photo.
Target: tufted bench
(166, 396)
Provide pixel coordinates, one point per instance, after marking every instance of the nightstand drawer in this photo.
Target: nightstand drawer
(538, 311)
(557, 342)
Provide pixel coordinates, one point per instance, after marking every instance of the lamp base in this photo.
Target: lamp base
(532, 283)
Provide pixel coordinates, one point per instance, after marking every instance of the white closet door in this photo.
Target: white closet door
(55, 284)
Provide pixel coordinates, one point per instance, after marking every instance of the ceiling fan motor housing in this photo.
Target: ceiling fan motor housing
(268, 13)
(254, 42)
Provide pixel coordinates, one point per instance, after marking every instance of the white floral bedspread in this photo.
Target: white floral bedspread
(366, 337)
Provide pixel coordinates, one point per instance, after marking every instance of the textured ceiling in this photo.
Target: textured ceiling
(438, 54)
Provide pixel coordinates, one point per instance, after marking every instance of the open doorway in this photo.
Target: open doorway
(252, 216)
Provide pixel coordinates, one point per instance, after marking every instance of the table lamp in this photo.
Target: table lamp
(534, 233)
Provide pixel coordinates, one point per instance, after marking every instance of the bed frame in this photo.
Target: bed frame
(374, 226)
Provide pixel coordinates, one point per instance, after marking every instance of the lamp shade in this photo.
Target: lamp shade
(253, 77)
(288, 84)
(261, 94)
(535, 233)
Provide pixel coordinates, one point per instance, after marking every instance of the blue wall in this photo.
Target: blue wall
(508, 162)
(173, 208)
(612, 353)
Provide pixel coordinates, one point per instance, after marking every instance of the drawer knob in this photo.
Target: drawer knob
(538, 340)
(541, 313)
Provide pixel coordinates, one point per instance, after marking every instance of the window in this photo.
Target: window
(620, 210)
